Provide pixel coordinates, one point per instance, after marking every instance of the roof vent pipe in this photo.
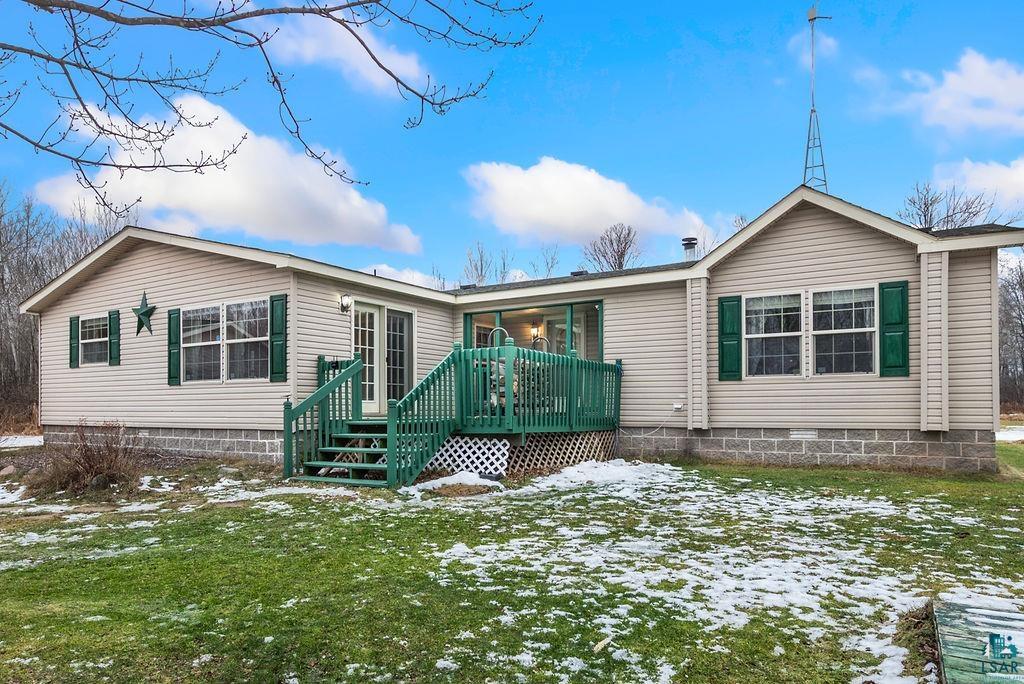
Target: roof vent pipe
(690, 248)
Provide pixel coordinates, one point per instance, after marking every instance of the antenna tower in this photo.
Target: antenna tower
(814, 155)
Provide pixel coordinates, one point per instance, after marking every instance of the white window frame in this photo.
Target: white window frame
(801, 334)
(222, 342)
(227, 342)
(81, 351)
(814, 333)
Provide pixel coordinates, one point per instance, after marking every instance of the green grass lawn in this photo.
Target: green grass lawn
(697, 574)
(1011, 459)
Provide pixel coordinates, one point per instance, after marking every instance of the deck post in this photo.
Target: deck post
(574, 378)
(568, 329)
(457, 384)
(618, 391)
(510, 372)
(392, 442)
(357, 389)
(288, 438)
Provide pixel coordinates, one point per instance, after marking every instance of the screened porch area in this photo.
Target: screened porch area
(557, 329)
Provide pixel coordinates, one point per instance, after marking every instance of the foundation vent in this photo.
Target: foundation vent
(803, 433)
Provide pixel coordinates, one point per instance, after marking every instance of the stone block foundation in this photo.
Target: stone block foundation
(264, 446)
(968, 451)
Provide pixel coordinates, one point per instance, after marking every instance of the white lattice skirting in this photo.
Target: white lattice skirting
(543, 452)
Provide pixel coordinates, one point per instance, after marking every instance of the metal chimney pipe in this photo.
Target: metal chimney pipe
(690, 248)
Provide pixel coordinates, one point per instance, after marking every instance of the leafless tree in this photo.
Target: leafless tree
(618, 247)
(503, 265)
(1011, 335)
(35, 247)
(740, 221)
(74, 55)
(546, 263)
(929, 208)
(440, 282)
(479, 264)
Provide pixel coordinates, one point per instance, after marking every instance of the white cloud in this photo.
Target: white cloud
(268, 190)
(981, 93)
(799, 45)
(311, 40)
(405, 275)
(1004, 181)
(558, 201)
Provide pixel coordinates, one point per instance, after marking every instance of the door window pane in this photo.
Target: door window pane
(399, 353)
(365, 330)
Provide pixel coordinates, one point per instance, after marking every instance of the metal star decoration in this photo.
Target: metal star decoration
(143, 312)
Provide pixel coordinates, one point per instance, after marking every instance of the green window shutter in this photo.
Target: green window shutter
(278, 338)
(894, 329)
(730, 338)
(114, 338)
(174, 347)
(73, 347)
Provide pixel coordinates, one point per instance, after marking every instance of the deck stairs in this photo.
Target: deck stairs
(356, 457)
(505, 390)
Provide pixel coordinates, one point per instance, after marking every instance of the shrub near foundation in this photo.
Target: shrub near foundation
(97, 460)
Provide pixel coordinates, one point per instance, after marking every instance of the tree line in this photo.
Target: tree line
(35, 247)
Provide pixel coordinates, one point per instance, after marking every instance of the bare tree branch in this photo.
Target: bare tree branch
(618, 247)
(928, 208)
(97, 90)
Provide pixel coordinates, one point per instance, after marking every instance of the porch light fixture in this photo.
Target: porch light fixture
(535, 329)
(345, 305)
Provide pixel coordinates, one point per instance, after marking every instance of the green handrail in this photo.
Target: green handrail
(422, 420)
(309, 424)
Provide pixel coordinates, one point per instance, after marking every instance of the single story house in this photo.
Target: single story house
(820, 334)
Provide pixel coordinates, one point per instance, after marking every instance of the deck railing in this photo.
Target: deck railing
(421, 421)
(511, 389)
(309, 424)
(491, 390)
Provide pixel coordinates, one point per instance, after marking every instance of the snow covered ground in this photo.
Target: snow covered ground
(20, 441)
(606, 557)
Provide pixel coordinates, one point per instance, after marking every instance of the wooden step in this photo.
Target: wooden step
(341, 480)
(344, 464)
(359, 435)
(368, 422)
(352, 450)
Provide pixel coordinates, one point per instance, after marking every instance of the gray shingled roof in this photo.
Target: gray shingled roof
(981, 229)
(573, 279)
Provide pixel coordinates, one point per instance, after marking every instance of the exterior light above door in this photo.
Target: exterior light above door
(345, 304)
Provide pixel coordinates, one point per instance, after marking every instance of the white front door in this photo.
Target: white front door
(366, 342)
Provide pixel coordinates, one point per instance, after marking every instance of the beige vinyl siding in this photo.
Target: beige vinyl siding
(136, 393)
(971, 280)
(806, 249)
(323, 329)
(934, 347)
(645, 326)
(697, 388)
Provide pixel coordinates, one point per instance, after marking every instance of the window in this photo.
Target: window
(248, 340)
(235, 336)
(95, 343)
(852, 312)
(482, 335)
(772, 332)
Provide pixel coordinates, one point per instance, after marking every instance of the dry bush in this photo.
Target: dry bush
(96, 460)
(19, 417)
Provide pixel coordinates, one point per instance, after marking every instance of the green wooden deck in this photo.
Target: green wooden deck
(494, 390)
(979, 644)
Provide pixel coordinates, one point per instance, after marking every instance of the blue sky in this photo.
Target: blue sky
(673, 117)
